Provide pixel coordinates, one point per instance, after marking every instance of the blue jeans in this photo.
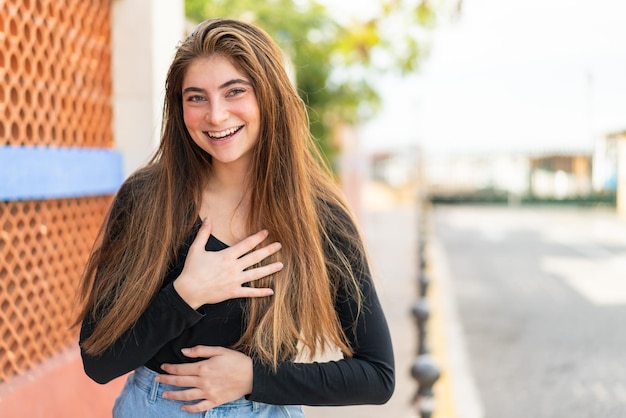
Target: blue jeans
(142, 398)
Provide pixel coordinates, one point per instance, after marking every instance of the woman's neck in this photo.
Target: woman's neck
(225, 200)
(231, 179)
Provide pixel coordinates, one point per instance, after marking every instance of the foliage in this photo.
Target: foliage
(334, 62)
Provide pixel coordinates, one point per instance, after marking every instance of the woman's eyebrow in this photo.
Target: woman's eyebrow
(223, 86)
(194, 90)
(234, 81)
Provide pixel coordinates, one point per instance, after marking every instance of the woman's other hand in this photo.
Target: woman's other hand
(223, 376)
(216, 276)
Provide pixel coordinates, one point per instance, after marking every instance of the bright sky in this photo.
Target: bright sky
(521, 75)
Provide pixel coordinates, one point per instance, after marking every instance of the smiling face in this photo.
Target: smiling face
(220, 110)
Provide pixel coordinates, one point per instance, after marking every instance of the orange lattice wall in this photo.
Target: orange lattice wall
(55, 90)
(43, 246)
(55, 70)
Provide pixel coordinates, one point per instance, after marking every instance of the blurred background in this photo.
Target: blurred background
(481, 143)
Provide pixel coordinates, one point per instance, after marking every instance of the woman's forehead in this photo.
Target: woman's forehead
(214, 70)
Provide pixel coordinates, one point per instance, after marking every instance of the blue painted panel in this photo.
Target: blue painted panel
(58, 172)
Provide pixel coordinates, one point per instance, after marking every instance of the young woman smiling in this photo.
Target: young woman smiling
(231, 258)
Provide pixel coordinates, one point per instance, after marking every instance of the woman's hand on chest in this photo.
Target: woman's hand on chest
(214, 276)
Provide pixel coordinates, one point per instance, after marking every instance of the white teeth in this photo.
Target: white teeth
(224, 133)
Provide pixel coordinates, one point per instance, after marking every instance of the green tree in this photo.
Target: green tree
(333, 61)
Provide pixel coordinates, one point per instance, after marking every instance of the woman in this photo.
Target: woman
(230, 259)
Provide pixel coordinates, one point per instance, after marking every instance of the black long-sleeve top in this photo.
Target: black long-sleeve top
(169, 324)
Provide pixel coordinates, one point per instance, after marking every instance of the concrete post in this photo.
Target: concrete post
(144, 36)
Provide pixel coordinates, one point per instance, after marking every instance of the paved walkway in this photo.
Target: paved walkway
(391, 236)
(541, 298)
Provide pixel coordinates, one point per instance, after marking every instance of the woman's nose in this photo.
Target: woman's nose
(216, 113)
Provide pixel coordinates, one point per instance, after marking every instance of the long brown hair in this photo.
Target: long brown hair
(293, 196)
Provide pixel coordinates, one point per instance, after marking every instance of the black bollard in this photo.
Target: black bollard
(422, 261)
(423, 283)
(421, 312)
(426, 372)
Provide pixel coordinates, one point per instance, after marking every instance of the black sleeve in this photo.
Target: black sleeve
(366, 378)
(166, 317)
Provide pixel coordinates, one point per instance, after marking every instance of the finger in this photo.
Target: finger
(251, 292)
(249, 243)
(204, 351)
(192, 394)
(176, 380)
(181, 369)
(262, 271)
(199, 407)
(259, 255)
(203, 233)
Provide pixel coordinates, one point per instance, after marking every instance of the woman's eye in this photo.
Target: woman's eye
(195, 98)
(235, 92)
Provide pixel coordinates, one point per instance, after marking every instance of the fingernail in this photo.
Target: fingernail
(184, 350)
